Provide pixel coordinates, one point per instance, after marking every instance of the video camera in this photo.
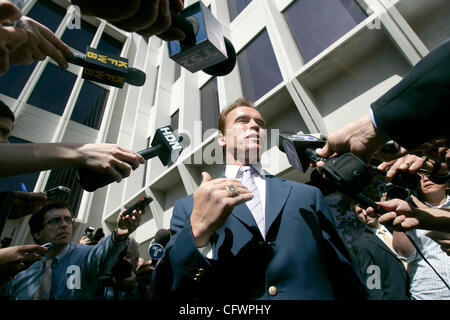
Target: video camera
(94, 237)
(346, 173)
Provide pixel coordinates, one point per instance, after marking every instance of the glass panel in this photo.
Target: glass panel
(316, 24)
(14, 183)
(79, 39)
(47, 13)
(149, 140)
(155, 86)
(209, 100)
(236, 6)
(53, 89)
(177, 71)
(67, 177)
(90, 105)
(174, 120)
(109, 44)
(258, 67)
(13, 81)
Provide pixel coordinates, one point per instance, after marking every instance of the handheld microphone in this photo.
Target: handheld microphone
(204, 48)
(347, 173)
(106, 68)
(165, 145)
(157, 247)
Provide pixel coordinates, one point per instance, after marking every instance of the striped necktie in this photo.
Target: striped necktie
(255, 204)
(388, 242)
(43, 293)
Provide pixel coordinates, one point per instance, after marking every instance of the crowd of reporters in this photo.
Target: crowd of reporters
(423, 147)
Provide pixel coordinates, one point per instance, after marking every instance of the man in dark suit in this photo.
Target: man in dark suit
(250, 235)
(382, 269)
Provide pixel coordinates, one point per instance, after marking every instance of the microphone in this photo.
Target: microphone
(157, 247)
(300, 149)
(204, 48)
(346, 173)
(165, 145)
(106, 68)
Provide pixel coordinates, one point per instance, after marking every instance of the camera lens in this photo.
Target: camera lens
(396, 192)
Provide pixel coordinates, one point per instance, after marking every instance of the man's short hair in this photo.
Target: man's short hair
(5, 112)
(36, 222)
(241, 102)
(353, 205)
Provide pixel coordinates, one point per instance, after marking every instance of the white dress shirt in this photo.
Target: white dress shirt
(231, 172)
(425, 284)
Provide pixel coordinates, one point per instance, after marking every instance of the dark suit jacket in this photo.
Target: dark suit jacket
(303, 256)
(369, 250)
(417, 110)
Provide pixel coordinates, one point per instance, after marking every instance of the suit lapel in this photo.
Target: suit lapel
(374, 239)
(277, 192)
(244, 215)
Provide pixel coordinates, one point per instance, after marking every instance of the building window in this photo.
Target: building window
(144, 180)
(15, 183)
(155, 85)
(110, 44)
(79, 39)
(177, 72)
(48, 13)
(67, 177)
(90, 105)
(258, 67)
(53, 89)
(174, 120)
(209, 102)
(14, 80)
(236, 6)
(316, 24)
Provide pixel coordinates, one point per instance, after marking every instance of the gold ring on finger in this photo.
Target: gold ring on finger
(232, 190)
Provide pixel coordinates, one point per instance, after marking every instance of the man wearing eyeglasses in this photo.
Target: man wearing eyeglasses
(68, 271)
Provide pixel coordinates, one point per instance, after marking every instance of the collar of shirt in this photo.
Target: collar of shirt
(444, 205)
(382, 227)
(231, 171)
(62, 254)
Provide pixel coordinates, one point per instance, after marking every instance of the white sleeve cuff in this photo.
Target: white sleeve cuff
(206, 251)
(372, 117)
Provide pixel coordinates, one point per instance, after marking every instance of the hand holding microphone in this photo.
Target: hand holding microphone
(103, 67)
(145, 17)
(165, 145)
(158, 245)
